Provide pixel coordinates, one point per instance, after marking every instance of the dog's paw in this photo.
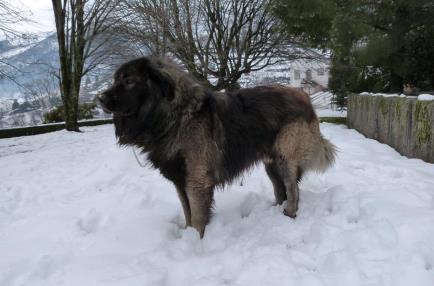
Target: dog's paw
(290, 214)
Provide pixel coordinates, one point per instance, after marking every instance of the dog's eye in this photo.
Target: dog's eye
(129, 81)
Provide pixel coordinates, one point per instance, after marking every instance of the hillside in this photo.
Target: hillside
(28, 62)
(31, 64)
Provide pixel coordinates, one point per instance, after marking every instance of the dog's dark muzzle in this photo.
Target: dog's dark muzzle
(103, 100)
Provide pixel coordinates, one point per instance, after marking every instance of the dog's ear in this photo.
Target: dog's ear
(164, 82)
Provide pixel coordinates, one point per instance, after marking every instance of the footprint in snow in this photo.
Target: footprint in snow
(253, 202)
(89, 223)
(45, 267)
(10, 199)
(432, 202)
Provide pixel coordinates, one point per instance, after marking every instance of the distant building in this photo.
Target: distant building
(310, 75)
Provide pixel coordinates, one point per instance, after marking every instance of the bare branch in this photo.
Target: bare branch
(217, 40)
(82, 36)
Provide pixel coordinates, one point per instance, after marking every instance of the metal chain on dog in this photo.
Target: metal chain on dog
(137, 157)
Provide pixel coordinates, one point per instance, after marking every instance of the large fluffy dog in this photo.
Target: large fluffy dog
(201, 139)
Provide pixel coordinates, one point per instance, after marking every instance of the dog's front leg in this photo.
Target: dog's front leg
(200, 190)
(182, 194)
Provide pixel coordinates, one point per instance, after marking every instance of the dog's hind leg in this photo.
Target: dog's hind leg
(291, 176)
(276, 179)
(285, 175)
(290, 148)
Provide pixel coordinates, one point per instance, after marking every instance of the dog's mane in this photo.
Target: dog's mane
(189, 97)
(189, 92)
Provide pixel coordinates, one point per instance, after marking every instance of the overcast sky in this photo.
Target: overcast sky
(41, 14)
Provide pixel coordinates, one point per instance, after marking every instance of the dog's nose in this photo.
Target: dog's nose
(102, 97)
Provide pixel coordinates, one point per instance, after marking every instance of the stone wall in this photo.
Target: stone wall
(406, 124)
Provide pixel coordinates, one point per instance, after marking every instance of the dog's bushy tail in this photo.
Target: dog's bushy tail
(324, 156)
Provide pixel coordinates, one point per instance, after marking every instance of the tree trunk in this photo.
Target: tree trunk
(431, 79)
(71, 112)
(233, 86)
(396, 82)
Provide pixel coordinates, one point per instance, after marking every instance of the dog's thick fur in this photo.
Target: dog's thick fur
(201, 139)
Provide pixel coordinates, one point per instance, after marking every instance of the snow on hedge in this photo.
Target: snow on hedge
(423, 97)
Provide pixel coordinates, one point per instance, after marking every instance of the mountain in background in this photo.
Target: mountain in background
(31, 66)
(26, 63)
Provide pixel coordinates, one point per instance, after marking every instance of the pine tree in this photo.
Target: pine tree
(329, 24)
(401, 41)
(15, 105)
(375, 45)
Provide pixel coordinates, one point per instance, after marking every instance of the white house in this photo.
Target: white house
(310, 75)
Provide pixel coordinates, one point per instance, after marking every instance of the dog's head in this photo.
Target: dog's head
(139, 86)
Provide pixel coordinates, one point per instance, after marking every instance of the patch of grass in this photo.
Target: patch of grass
(384, 105)
(423, 122)
(335, 120)
(398, 106)
(57, 114)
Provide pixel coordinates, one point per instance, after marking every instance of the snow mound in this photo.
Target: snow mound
(75, 209)
(425, 97)
(383, 94)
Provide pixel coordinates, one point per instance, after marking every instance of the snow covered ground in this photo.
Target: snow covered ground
(322, 103)
(77, 210)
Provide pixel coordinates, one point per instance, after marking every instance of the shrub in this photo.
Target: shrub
(57, 114)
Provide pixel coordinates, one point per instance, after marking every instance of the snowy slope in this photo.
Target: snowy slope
(322, 104)
(33, 62)
(77, 210)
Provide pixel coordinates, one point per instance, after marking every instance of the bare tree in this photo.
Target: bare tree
(42, 92)
(9, 17)
(217, 40)
(81, 27)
